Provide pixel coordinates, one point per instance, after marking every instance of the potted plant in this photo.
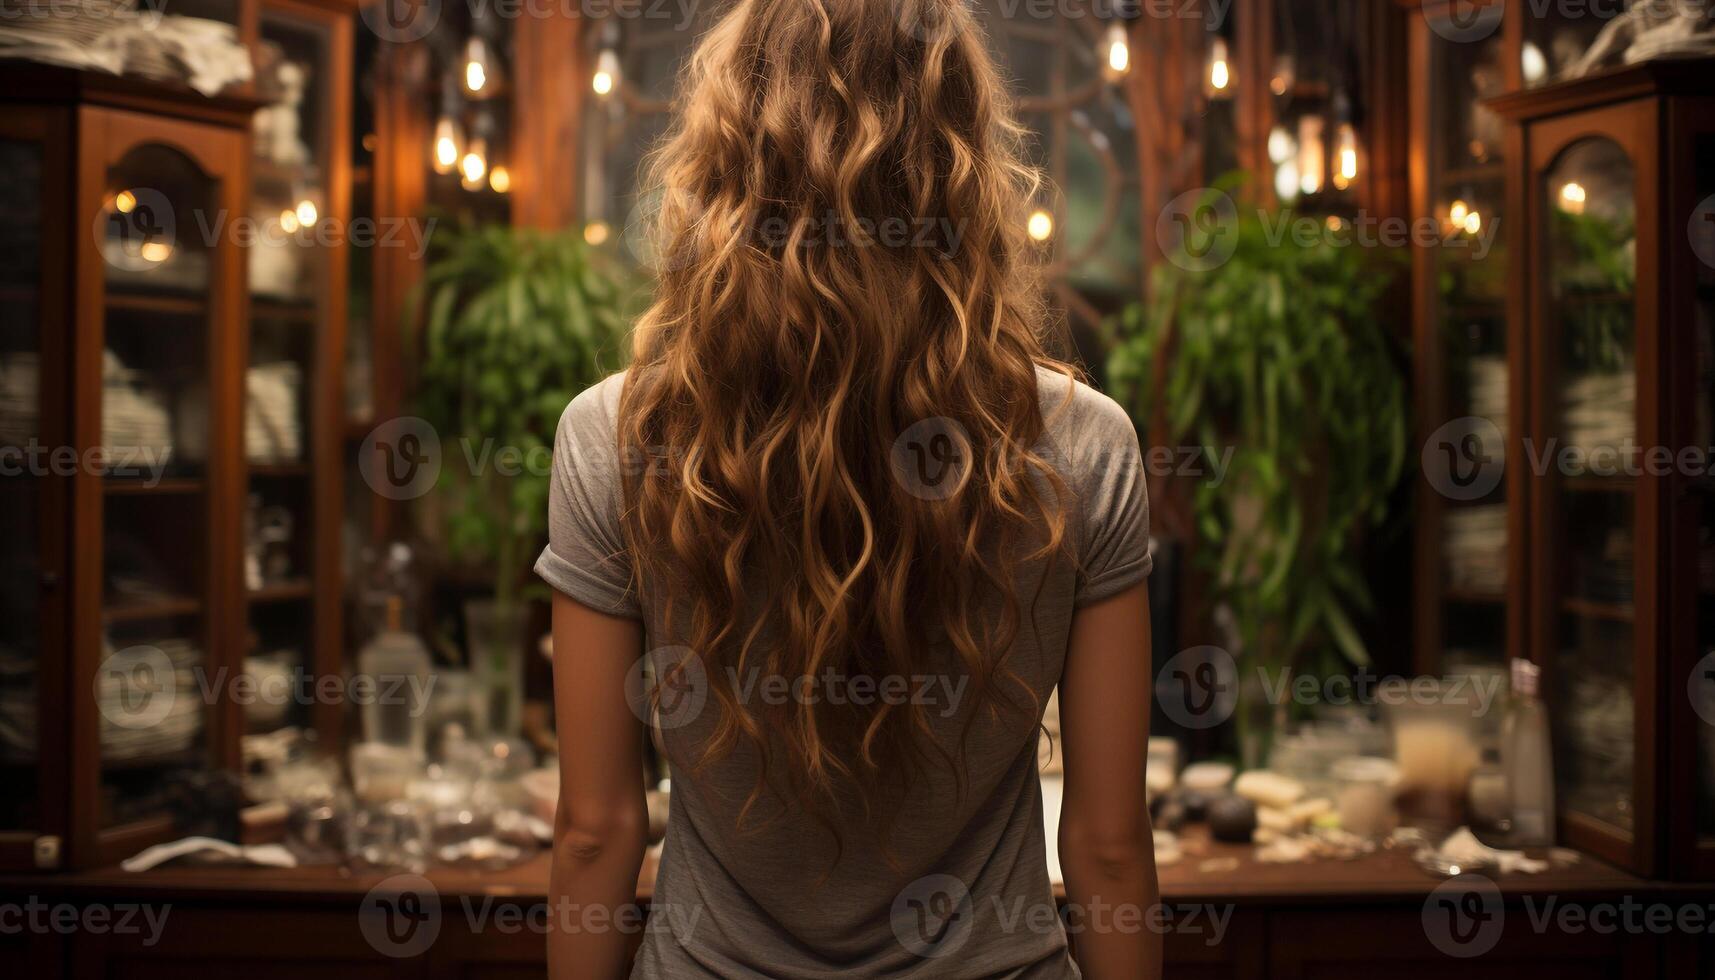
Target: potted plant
(515, 323)
(1278, 354)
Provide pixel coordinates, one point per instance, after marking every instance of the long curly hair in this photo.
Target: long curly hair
(844, 283)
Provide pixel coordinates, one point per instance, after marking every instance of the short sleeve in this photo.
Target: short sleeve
(586, 557)
(1113, 495)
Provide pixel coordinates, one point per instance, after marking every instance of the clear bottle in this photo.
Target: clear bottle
(1526, 755)
(396, 665)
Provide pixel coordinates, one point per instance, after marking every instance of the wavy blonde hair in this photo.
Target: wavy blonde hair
(793, 339)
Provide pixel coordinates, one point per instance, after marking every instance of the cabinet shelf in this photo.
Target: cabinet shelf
(172, 304)
(133, 487)
(169, 607)
(290, 590)
(1614, 612)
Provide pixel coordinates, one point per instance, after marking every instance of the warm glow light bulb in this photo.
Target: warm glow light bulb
(124, 201)
(1532, 63)
(446, 155)
(289, 221)
(475, 64)
(606, 72)
(1119, 49)
(500, 179)
(473, 166)
(156, 252)
(1280, 145)
(1346, 162)
(1312, 157)
(1473, 222)
(306, 212)
(1220, 69)
(595, 232)
(1040, 226)
(1572, 197)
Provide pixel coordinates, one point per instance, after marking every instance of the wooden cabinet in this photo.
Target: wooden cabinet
(1613, 305)
(129, 346)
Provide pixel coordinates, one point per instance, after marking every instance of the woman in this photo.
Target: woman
(858, 526)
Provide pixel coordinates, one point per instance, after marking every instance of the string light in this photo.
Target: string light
(306, 212)
(1220, 69)
(1119, 50)
(446, 155)
(500, 179)
(1312, 155)
(606, 72)
(1040, 226)
(1346, 155)
(289, 221)
(1457, 212)
(475, 64)
(1280, 145)
(595, 232)
(473, 166)
(124, 201)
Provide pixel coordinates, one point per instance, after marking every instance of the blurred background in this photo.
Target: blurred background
(1413, 306)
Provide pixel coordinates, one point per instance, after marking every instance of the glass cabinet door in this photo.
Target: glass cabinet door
(1702, 684)
(289, 296)
(159, 269)
(1588, 278)
(1465, 297)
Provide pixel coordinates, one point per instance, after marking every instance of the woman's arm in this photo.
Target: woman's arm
(1106, 847)
(602, 825)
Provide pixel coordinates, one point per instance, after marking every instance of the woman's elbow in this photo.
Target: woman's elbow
(1112, 851)
(586, 834)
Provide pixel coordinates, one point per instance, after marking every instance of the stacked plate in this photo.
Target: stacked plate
(271, 430)
(1474, 552)
(20, 375)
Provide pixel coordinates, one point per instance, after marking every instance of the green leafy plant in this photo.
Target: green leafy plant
(1279, 354)
(515, 323)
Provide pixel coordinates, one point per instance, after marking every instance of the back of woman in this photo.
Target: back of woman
(842, 512)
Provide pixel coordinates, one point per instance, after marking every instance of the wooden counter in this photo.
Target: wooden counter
(1322, 918)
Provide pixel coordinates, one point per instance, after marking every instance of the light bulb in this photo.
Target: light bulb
(1220, 69)
(1311, 153)
(446, 155)
(1040, 226)
(289, 221)
(1572, 197)
(156, 252)
(595, 232)
(1280, 145)
(1532, 63)
(475, 64)
(1286, 179)
(1457, 213)
(306, 212)
(606, 72)
(124, 201)
(1346, 159)
(473, 166)
(1119, 49)
(1473, 222)
(500, 179)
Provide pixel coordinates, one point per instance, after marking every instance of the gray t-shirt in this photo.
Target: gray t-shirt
(966, 893)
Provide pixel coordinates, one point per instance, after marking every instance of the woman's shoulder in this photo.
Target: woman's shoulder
(594, 412)
(1080, 421)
